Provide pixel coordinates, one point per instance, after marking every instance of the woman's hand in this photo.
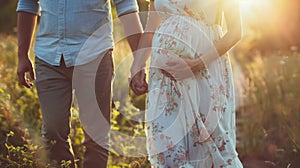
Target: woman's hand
(182, 68)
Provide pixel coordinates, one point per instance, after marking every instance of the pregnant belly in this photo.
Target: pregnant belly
(181, 36)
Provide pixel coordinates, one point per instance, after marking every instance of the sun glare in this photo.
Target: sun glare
(252, 10)
(247, 6)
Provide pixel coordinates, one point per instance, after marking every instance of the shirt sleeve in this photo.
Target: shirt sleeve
(30, 6)
(126, 6)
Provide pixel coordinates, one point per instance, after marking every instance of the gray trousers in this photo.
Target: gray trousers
(55, 85)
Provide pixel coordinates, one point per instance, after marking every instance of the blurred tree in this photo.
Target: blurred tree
(8, 15)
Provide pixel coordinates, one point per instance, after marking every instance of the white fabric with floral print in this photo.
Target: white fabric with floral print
(190, 123)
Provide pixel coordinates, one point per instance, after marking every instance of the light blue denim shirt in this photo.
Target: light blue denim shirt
(78, 30)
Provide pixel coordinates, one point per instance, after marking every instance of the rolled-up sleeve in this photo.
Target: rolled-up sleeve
(125, 6)
(30, 6)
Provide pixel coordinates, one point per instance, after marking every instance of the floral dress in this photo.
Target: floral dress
(191, 122)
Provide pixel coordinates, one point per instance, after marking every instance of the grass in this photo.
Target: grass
(270, 118)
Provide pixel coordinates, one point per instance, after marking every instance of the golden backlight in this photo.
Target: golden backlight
(276, 21)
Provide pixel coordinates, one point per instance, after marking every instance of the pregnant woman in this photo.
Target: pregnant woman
(190, 117)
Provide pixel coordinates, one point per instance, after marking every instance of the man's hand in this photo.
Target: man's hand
(26, 24)
(24, 67)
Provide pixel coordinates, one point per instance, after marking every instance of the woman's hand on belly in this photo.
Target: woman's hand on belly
(182, 68)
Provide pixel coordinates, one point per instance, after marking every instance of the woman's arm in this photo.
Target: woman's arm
(233, 34)
(219, 48)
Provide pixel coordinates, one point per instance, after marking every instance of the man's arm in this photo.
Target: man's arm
(133, 29)
(144, 51)
(145, 44)
(127, 11)
(26, 24)
(27, 15)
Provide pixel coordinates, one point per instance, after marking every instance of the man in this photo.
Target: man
(73, 51)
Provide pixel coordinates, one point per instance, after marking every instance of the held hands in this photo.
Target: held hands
(137, 82)
(24, 67)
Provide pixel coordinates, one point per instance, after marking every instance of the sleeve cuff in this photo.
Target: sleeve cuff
(124, 7)
(28, 6)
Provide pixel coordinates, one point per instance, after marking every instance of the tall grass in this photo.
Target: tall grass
(270, 119)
